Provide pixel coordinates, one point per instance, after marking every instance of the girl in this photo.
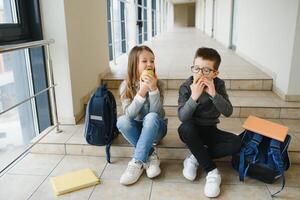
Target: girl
(142, 123)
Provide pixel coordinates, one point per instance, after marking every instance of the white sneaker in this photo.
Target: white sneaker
(152, 166)
(212, 185)
(132, 173)
(190, 167)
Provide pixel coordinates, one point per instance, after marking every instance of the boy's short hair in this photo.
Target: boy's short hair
(209, 54)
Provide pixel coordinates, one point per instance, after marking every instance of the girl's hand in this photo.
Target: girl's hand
(211, 90)
(151, 81)
(197, 88)
(144, 88)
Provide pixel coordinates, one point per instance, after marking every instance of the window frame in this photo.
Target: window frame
(28, 27)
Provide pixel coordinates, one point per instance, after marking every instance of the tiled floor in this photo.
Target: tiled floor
(29, 179)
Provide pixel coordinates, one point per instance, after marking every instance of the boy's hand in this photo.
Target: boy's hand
(211, 90)
(197, 88)
(144, 88)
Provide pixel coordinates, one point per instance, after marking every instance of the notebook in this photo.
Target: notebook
(266, 128)
(73, 181)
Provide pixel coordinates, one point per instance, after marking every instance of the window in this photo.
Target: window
(154, 18)
(8, 14)
(22, 74)
(123, 27)
(110, 47)
(142, 32)
(116, 28)
(20, 21)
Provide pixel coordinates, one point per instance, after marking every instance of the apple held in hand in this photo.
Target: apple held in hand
(147, 72)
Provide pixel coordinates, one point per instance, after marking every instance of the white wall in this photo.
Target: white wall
(170, 15)
(54, 27)
(131, 23)
(208, 17)
(200, 14)
(184, 14)
(180, 15)
(149, 18)
(266, 33)
(223, 21)
(191, 14)
(88, 46)
(294, 86)
(80, 53)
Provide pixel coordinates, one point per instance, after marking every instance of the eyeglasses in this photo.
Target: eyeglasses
(204, 70)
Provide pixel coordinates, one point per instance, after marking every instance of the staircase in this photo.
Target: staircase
(249, 89)
(248, 97)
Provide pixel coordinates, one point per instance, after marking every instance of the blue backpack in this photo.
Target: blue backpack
(262, 158)
(100, 119)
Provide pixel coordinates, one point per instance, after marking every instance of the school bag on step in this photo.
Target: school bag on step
(100, 119)
(262, 157)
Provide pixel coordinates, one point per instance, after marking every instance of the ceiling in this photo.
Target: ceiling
(181, 1)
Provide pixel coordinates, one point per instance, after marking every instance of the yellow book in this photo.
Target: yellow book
(73, 181)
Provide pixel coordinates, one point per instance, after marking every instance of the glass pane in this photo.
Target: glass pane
(123, 30)
(39, 77)
(145, 36)
(108, 9)
(109, 33)
(124, 46)
(154, 4)
(139, 2)
(13, 78)
(145, 26)
(145, 14)
(8, 12)
(110, 52)
(16, 132)
(16, 126)
(145, 3)
(139, 13)
(140, 39)
(122, 10)
(140, 29)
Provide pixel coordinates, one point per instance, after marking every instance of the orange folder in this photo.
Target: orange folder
(266, 128)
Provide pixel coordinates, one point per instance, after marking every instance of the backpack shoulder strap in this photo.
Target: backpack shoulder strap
(249, 153)
(275, 160)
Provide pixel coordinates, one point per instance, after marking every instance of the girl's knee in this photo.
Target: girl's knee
(151, 119)
(123, 122)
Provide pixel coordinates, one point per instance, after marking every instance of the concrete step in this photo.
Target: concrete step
(263, 83)
(264, 104)
(72, 142)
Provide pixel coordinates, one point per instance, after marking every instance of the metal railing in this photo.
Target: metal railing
(50, 88)
(49, 69)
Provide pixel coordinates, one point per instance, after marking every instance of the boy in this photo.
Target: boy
(202, 98)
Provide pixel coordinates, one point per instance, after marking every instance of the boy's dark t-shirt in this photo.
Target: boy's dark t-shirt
(206, 110)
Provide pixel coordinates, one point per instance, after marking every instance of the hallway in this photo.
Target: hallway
(92, 43)
(175, 49)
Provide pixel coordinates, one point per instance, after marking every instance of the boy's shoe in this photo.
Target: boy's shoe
(152, 166)
(190, 167)
(212, 185)
(132, 173)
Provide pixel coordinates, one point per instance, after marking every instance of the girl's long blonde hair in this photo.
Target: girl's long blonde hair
(132, 72)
